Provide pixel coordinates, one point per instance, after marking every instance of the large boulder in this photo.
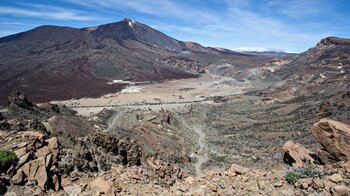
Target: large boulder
(334, 137)
(296, 154)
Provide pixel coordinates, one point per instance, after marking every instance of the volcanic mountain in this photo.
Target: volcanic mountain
(53, 62)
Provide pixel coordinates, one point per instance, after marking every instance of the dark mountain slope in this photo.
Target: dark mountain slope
(51, 62)
(130, 29)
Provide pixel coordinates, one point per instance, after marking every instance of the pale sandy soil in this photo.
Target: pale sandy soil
(168, 95)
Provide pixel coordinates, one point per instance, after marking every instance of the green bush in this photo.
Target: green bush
(292, 177)
(7, 158)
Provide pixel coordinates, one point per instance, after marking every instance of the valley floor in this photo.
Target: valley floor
(173, 94)
(218, 120)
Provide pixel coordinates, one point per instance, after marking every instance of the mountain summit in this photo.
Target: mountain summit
(133, 30)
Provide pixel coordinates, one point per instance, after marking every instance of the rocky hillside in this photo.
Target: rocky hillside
(322, 70)
(329, 58)
(36, 159)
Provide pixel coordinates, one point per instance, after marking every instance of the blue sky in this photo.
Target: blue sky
(290, 25)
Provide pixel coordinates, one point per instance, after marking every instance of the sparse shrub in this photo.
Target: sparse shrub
(307, 172)
(7, 158)
(313, 173)
(292, 177)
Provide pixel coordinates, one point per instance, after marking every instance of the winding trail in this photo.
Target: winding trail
(201, 154)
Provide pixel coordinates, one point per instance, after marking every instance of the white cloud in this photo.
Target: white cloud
(187, 29)
(52, 12)
(300, 8)
(257, 49)
(11, 23)
(161, 8)
(251, 49)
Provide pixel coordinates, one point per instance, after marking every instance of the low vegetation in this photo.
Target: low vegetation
(312, 173)
(292, 177)
(7, 158)
(305, 172)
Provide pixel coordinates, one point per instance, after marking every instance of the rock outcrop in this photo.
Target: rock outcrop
(128, 151)
(19, 99)
(334, 137)
(334, 41)
(163, 116)
(37, 159)
(50, 107)
(296, 154)
(99, 152)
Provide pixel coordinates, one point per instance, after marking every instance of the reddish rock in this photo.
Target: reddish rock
(50, 148)
(53, 145)
(103, 186)
(24, 159)
(32, 135)
(304, 183)
(18, 179)
(296, 154)
(56, 182)
(326, 157)
(20, 152)
(334, 137)
(346, 166)
(341, 190)
(317, 184)
(34, 170)
(42, 152)
(66, 182)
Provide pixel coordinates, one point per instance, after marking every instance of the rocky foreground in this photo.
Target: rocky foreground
(38, 158)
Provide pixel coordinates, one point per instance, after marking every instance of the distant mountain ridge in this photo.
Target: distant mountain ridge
(55, 63)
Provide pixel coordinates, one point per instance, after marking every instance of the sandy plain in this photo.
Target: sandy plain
(168, 95)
